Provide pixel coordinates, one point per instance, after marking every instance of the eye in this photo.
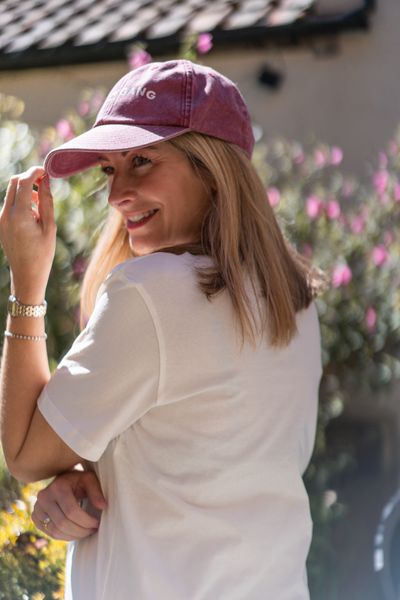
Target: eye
(138, 161)
(108, 170)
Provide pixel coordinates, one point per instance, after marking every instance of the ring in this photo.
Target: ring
(46, 522)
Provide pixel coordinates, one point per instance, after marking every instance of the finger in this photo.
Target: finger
(59, 526)
(10, 194)
(46, 207)
(93, 490)
(63, 508)
(26, 181)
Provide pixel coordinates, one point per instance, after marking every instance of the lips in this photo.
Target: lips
(140, 219)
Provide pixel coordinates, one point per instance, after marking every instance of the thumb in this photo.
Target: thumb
(94, 492)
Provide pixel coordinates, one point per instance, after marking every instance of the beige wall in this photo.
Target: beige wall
(351, 98)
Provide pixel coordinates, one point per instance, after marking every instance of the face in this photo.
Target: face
(159, 195)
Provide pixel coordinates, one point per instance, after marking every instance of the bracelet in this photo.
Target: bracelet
(16, 309)
(36, 338)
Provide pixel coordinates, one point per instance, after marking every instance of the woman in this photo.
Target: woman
(192, 392)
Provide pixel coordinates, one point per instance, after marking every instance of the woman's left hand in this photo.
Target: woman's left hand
(28, 234)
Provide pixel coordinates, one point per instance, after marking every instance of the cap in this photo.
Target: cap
(157, 102)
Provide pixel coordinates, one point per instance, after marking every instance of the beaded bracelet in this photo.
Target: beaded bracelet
(25, 337)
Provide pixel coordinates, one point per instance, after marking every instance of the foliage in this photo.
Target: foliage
(31, 565)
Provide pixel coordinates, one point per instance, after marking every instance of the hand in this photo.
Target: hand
(28, 235)
(59, 502)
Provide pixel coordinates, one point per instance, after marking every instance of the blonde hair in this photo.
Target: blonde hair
(241, 234)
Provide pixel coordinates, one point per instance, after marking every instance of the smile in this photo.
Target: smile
(141, 219)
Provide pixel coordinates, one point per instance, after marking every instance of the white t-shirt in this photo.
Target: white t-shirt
(199, 445)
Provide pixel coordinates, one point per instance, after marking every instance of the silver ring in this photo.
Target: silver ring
(46, 522)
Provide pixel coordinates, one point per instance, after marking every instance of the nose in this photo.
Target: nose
(121, 191)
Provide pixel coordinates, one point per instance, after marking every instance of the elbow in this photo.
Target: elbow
(21, 472)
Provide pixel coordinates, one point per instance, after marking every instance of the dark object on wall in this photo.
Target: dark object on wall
(270, 78)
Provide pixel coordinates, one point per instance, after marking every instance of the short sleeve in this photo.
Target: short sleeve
(109, 378)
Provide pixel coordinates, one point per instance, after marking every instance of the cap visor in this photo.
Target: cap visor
(82, 152)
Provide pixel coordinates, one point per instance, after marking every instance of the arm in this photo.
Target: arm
(31, 447)
(59, 501)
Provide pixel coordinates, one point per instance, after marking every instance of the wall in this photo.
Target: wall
(350, 98)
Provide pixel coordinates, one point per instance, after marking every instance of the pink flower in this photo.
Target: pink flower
(274, 196)
(357, 225)
(397, 191)
(204, 43)
(313, 206)
(342, 275)
(370, 318)
(97, 100)
(83, 109)
(393, 148)
(383, 160)
(388, 238)
(138, 58)
(320, 157)
(347, 189)
(379, 255)
(298, 157)
(64, 129)
(336, 155)
(380, 180)
(333, 210)
(307, 250)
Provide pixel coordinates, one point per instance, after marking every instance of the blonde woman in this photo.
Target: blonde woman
(191, 394)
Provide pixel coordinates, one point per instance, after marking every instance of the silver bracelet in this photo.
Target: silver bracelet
(36, 338)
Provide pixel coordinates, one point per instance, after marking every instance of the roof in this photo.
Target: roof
(50, 32)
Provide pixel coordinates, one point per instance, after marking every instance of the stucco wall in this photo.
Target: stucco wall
(350, 98)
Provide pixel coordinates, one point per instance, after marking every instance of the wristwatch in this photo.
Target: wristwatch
(16, 309)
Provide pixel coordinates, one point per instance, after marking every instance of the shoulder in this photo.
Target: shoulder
(159, 269)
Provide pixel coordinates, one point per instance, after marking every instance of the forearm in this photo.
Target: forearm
(24, 373)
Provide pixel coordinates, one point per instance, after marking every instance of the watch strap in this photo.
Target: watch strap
(16, 309)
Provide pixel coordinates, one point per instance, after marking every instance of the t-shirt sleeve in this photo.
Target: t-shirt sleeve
(109, 378)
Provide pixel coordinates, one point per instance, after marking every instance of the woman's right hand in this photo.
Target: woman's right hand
(59, 502)
(28, 234)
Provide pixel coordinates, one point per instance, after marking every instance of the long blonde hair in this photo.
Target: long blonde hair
(241, 234)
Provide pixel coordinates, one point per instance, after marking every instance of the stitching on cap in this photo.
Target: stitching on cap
(187, 94)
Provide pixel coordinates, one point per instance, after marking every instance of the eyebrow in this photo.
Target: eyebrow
(125, 152)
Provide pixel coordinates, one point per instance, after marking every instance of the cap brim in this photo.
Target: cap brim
(82, 152)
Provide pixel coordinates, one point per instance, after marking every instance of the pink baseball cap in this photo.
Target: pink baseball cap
(157, 102)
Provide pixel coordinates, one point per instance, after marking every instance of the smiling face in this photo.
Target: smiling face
(161, 198)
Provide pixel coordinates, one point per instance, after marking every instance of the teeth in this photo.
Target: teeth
(142, 216)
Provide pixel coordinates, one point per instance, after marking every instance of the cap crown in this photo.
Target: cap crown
(180, 94)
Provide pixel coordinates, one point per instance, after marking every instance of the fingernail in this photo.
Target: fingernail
(46, 179)
(103, 503)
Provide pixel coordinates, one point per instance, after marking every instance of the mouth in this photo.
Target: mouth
(141, 219)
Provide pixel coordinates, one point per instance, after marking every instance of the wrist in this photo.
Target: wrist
(18, 309)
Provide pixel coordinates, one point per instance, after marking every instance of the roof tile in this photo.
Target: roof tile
(210, 17)
(170, 23)
(132, 27)
(248, 13)
(41, 24)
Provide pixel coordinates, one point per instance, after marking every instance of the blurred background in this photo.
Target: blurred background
(320, 80)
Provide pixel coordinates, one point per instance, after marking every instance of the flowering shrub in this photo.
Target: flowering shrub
(350, 231)
(31, 565)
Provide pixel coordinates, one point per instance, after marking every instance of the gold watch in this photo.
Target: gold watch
(16, 309)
